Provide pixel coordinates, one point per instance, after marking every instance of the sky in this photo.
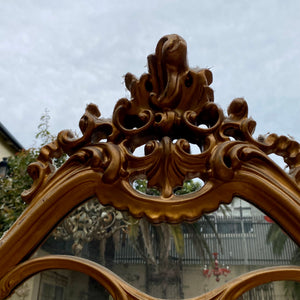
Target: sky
(60, 55)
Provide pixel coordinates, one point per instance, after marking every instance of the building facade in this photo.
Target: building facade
(9, 145)
(217, 248)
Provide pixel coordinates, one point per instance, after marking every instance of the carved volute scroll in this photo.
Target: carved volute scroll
(171, 110)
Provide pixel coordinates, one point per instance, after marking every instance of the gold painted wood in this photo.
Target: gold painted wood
(119, 289)
(171, 108)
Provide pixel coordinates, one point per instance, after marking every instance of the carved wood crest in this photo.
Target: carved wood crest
(171, 110)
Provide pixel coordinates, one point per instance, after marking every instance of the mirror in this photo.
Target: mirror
(60, 285)
(173, 261)
(288, 290)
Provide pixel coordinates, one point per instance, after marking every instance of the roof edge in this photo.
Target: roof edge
(7, 135)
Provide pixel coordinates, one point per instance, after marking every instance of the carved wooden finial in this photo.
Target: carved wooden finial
(171, 110)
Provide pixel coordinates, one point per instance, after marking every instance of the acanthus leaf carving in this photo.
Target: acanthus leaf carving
(170, 110)
(93, 129)
(105, 158)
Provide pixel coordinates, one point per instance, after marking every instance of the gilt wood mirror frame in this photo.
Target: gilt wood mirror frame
(171, 108)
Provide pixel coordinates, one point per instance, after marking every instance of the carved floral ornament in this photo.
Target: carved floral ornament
(171, 110)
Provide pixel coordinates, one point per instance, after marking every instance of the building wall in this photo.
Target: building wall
(5, 149)
(76, 286)
(244, 249)
(8, 143)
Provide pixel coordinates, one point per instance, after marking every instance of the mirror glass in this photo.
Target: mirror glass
(60, 285)
(174, 261)
(288, 290)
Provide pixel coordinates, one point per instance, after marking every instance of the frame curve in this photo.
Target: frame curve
(119, 289)
(171, 109)
(71, 186)
(111, 282)
(250, 280)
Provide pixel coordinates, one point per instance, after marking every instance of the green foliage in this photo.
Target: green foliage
(189, 186)
(18, 180)
(13, 185)
(44, 134)
(141, 186)
(278, 238)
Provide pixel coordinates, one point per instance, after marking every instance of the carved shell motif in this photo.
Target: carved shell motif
(171, 108)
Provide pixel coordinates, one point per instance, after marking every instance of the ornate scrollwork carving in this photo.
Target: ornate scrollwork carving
(168, 98)
(171, 107)
(170, 102)
(93, 130)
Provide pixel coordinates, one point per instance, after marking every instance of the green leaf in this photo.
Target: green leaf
(177, 233)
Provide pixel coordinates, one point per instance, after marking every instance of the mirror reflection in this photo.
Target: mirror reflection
(60, 285)
(288, 290)
(174, 261)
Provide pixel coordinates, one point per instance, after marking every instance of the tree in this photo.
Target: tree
(160, 265)
(18, 180)
(12, 186)
(153, 243)
(278, 238)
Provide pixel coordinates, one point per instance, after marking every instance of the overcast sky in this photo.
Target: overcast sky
(61, 55)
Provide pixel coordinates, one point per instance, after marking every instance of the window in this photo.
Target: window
(52, 286)
(51, 292)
